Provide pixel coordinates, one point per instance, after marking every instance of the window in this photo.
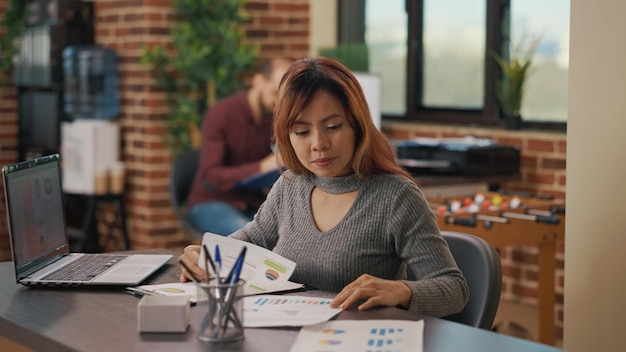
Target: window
(547, 87)
(386, 38)
(453, 54)
(433, 56)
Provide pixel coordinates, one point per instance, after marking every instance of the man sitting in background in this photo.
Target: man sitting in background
(236, 144)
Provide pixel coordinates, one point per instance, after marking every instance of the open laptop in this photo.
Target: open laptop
(39, 241)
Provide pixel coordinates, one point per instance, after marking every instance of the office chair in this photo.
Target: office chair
(480, 264)
(181, 177)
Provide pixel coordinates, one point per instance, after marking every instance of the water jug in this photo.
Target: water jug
(90, 82)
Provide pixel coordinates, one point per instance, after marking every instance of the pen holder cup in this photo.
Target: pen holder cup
(220, 311)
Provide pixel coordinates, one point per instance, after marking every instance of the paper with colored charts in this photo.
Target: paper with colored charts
(361, 336)
(263, 270)
(275, 310)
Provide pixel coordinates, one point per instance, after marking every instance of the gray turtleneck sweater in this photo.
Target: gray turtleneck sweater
(389, 227)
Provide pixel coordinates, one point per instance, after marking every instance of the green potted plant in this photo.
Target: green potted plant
(354, 56)
(205, 65)
(14, 22)
(514, 70)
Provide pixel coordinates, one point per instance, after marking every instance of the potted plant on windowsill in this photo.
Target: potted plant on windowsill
(205, 64)
(514, 70)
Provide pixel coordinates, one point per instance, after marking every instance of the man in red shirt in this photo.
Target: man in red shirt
(236, 144)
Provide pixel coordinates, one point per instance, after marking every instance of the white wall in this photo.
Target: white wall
(323, 25)
(595, 240)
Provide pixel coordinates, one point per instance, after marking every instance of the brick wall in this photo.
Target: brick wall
(8, 144)
(542, 173)
(280, 28)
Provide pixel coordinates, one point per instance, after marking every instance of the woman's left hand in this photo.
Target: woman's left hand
(375, 291)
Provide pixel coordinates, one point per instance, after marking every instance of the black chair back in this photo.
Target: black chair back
(181, 178)
(481, 266)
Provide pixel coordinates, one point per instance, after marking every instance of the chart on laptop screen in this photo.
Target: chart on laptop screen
(35, 202)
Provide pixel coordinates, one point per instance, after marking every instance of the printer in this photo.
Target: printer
(468, 156)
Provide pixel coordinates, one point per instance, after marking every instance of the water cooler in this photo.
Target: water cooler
(91, 82)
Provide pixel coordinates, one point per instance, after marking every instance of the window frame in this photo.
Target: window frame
(498, 20)
(489, 115)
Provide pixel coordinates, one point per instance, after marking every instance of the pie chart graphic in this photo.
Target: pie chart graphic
(329, 342)
(333, 331)
(271, 274)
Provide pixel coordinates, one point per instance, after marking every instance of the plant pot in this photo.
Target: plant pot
(513, 122)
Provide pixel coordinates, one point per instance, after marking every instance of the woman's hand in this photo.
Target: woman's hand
(190, 257)
(375, 291)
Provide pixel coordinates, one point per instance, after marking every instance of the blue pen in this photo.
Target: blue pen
(233, 276)
(233, 279)
(218, 259)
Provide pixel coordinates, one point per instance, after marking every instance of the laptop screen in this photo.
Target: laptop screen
(34, 200)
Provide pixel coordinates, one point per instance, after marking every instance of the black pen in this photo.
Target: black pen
(209, 260)
(195, 278)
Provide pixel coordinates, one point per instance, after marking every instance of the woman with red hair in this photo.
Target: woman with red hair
(344, 211)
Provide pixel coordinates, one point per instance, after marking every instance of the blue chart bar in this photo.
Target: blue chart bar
(277, 301)
(261, 301)
(393, 337)
(380, 342)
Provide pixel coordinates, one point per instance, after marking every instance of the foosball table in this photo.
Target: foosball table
(513, 219)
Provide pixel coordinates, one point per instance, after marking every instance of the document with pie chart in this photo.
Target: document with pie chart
(263, 270)
(361, 335)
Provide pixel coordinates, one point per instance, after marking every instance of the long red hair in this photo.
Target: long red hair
(372, 153)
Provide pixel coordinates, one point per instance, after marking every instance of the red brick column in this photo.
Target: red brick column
(280, 28)
(8, 145)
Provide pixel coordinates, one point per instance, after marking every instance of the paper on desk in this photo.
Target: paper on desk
(263, 270)
(276, 310)
(189, 289)
(361, 335)
(169, 289)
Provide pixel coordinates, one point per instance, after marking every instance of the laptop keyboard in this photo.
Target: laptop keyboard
(85, 268)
